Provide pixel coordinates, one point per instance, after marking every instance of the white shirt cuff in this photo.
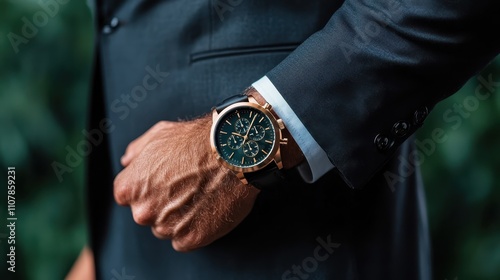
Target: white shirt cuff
(318, 163)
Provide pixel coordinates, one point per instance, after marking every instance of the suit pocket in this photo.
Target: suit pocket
(205, 55)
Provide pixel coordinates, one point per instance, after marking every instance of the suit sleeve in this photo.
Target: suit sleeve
(365, 82)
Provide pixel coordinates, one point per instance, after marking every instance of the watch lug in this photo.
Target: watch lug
(267, 106)
(242, 178)
(215, 115)
(277, 159)
(281, 124)
(252, 99)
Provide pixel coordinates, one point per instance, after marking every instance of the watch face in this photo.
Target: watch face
(244, 137)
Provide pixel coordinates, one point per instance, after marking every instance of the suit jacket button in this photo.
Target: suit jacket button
(382, 142)
(107, 29)
(420, 115)
(401, 128)
(113, 24)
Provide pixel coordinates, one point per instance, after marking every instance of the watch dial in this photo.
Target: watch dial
(244, 137)
(257, 132)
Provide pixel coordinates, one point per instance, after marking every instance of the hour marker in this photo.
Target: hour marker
(267, 128)
(223, 132)
(261, 119)
(254, 160)
(268, 142)
(251, 114)
(228, 122)
(238, 113)
(242, 160)
(264, 152)
(230, 156)
(223, 145)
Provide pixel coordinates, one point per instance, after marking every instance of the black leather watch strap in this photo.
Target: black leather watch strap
(231, 100)
(267, 177)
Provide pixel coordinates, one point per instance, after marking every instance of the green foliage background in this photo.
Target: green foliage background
(44, 91)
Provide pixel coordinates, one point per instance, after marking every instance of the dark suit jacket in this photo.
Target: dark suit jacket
(361, 75)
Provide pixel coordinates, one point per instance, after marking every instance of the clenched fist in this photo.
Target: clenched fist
(173, 183)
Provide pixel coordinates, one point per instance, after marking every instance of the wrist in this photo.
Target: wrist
(290, 153)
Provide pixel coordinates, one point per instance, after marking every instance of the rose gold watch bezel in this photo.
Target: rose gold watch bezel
(274, 154)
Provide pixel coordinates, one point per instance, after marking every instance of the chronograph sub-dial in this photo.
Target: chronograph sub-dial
(251, 148)
(257, 133)
(234, 141)
(241, 125)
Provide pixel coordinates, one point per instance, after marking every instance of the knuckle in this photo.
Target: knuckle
(188, 242)
(164, 125)
(163, 232)
(130, 147)
(160, 125)
(120, 191)
(142, 216)
(179, 246)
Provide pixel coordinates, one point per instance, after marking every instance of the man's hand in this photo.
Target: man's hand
(83, 268)
(174, 184)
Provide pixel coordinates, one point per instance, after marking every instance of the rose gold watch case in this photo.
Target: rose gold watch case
(274, 154)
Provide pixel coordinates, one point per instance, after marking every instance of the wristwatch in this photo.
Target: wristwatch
(246, 138)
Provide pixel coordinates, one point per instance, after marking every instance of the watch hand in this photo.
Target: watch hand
(250, 127)
(237, 134)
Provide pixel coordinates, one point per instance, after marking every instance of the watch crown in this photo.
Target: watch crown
(281, 124)
(284, 141)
